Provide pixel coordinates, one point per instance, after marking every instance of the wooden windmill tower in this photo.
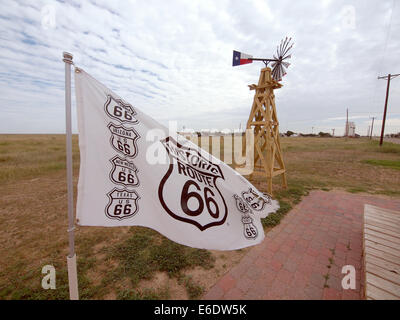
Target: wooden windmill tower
(263, 119)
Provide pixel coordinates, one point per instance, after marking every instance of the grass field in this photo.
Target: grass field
(138, 263)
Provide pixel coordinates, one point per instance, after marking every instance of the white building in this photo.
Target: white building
(350, 129)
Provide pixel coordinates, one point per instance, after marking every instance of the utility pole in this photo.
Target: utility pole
(333, 132)
(388, 78)
(372, 128)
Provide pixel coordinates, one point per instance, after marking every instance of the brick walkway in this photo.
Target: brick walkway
(302, 257)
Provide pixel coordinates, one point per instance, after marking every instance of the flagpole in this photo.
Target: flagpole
(71, 258)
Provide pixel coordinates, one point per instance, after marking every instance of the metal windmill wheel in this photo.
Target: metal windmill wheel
(279, 65)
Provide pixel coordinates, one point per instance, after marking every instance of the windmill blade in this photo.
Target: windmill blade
(280, 72)
(283, 49)
(288, 47)
(279, 49)
(287, 57)
(284, 44)
(278, 75)
(273, 73)
(277, 72)
(274, 70)
(287, 51)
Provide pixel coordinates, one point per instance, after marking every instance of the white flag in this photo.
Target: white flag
(134, 173)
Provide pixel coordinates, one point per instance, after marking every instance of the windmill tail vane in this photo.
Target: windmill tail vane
(277, 63)
(240, 58)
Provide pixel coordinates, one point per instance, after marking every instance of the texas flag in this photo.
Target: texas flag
(240, 58)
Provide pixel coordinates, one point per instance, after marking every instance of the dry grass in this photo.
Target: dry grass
(33, 216)
(339, 163)
(343, 163)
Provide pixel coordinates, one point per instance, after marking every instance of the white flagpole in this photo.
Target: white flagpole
(71, 258)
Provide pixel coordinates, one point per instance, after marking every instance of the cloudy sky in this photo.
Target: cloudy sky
(172, 60)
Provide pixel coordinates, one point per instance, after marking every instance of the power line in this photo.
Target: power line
(387, 37)
(384, 49)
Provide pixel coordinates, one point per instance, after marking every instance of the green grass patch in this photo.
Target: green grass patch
(356, 190)
(274, 218)
(146, 294)
(393, 164)
(193, 289)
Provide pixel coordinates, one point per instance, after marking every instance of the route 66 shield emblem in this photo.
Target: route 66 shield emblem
(124, 172)
(122, 204)
(123, 140)
(195, 178)
(119, 110)
(256, 200)
(249, 229)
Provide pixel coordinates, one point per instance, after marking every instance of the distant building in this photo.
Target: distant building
(350, 129)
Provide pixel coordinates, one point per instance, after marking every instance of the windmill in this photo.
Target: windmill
(263, 119)
(278, 62)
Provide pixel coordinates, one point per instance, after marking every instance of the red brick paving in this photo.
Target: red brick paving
(302, 257)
